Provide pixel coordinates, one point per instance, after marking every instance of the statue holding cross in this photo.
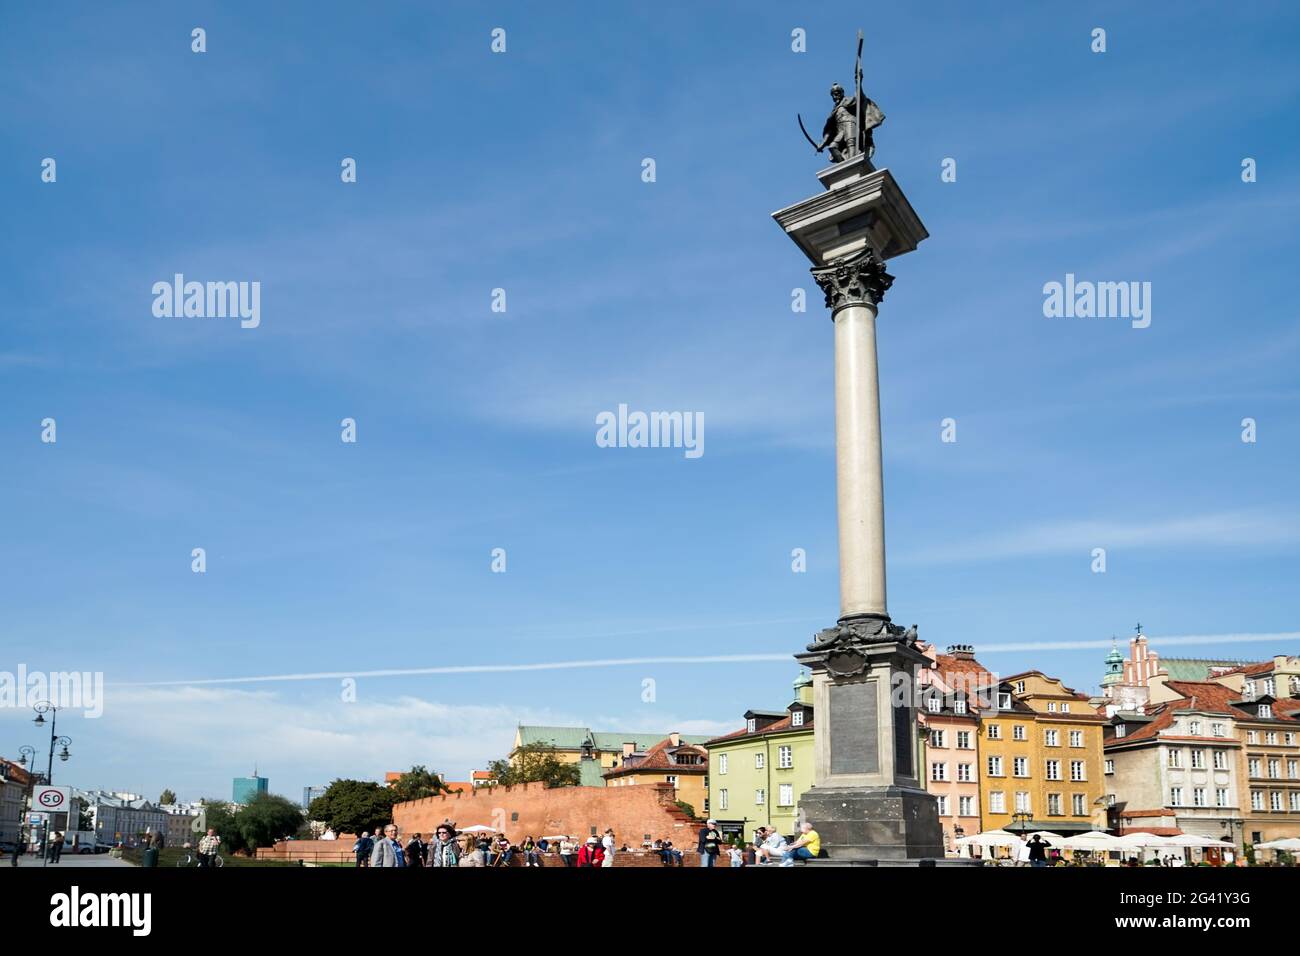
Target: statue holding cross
(847, 133)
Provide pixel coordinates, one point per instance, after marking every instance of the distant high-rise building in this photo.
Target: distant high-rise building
(244, 789)
(311, 793)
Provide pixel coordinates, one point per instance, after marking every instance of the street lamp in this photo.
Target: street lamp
(42, 708)
(1022, 818)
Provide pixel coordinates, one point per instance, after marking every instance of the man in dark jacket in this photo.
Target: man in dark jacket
(362, 848)
(1038, 851)
(415, 851)
(709, 844)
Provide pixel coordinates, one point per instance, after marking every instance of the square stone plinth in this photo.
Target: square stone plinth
(874, 823)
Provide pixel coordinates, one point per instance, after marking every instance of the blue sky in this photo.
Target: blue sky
(476, 428)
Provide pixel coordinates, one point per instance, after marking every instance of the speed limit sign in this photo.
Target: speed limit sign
(51, 799)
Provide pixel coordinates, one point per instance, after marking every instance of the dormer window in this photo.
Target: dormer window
(935, 705)
(1265, 710)
(796, 719)
(1194, 728)
(1269, 686)
(1004, 701)
(751, 725)
(959, 706)
(1120, 730)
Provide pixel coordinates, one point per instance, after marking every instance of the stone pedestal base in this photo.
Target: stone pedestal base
(874, 823)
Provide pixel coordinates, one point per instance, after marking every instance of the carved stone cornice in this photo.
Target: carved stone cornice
(859, 279)
(844, 649)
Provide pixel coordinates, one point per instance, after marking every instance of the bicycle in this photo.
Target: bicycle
(190, 859)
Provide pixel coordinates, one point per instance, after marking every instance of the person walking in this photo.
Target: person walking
(56, 846)
(1038, 850)
(807, 847)
(415, 852)
(208, 847)
(710, 843)
(361, 849)
(567, 851)
(592, 853)
(443, 848)
(607, 841)
(388, 852)
(20, 847)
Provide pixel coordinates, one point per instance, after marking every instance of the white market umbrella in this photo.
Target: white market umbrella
(989, 838)
(478, 828)
(1291, 844)
(1136, 840)
(1091, 840)
(1192, 839)
(558, 836)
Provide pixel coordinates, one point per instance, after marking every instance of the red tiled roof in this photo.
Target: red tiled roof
(1250, 670)
(778, 726)
(16, 773)
(657, 759)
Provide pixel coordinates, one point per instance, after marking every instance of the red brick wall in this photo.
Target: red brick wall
(633, 812)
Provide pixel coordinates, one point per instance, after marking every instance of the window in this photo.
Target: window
(963, 740)
(1175, 757)
(785, 795)
(722, 799)
(1078, 770)
(1121, 730)
(796, 718)
(722, 763)
(1275, 800)
(935, 704)
(1198, 759)
(1020, 687)
(995, 766)
(1216, 730)
(943, 806)
(1176, 796)
(1266, 711)
(1076, 738)
(964, 773)
(937, 739)
(1020, 766)
(966, 806)
(751, 725)
(1270, 738)
(1077, 805)
(785, 758)
(1110, 766)
(1004, 701)
(1053, 804)
(1248, 692)
(1275, 769)
(1220, 760)
(1220, 796)
(1023, 803)
(1053, 770)
(1198, 796)
(1065, 708)
(1295, 799)
(1293, 769)
(1256, 800)
(938, 771)
(1051, 706)
(760, 797)
(758, 760)
(1253, 765)
(995, 731)
(1290, 739)
(1194, 728)
(1052, 738)
(672, 778)
(1018, 732)
(959, 705)
(1270, 687)
(1252, 736)
(998, 801)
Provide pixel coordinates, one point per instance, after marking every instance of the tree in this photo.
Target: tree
(533, 763)
(351, 806)
(219, 816)
(416, 784)
(267, 818)
(167, 798)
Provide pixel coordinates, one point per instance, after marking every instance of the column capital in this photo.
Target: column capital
(857, 279)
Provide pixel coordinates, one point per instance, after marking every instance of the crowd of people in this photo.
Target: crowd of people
(447, 847)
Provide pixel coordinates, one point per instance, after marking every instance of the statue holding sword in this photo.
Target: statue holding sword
(847, 132)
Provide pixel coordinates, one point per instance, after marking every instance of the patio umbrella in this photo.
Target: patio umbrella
(989, 838)
(1192, 839)
(478, 828)
(558, 836)
(1141, 839)
(1091, 840)
(1291, 844)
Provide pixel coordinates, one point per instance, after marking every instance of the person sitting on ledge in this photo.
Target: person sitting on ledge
(807, 847)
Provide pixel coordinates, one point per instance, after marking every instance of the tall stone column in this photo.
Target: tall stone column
(868, 799)
(854, 287)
